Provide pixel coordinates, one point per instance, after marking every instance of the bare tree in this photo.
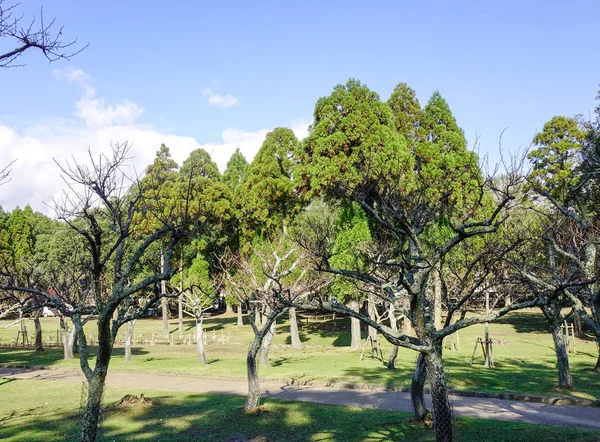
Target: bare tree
(35, 33)
(270, 280)
(100, 206)
(401, 266)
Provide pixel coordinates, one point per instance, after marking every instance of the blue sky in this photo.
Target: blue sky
(220, 74)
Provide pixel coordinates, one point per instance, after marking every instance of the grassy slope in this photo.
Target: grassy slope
(525, 364)
(51, 415)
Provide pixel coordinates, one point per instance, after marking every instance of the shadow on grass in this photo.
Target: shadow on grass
(338, 329)
(220, 418)
(51, 356)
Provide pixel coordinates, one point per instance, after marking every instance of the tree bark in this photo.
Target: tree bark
(355, 338)
(266, 345)
(96, 378)
(240, 321)
(164, 301)
(200, 341)
(417, 390)
(442, 413)
(437, 301)
(39, 346)
(406, 325)
(578, 325)
(228, 309)
(75, 343)
(67, 338)
(372, 331)
(597, 367)
(295, 334)
(179, 298)
(91, 416)
(253, 399)
(394, 326)
(257, 318)
(129, 339)
(565, 380)
(392, 358)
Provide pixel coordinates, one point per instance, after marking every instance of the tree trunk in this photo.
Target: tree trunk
(565, 380)
(266, 345)
(437, 302)
(91, 416)
(180, 299)
(355, 338)
(67, 338)
(442, 414)
(200, 341)
(228, 309)
(240, 321)
(578, 325)
(164, 302)
(597, 367)
(394, 326)
(96, 381)
(75, 343)
(406, 325)
(392, 358)
(296, 343)
(257, 318)
(253, 398)
(39, 346)
(263, 317)
(417, 390)
(129, 339)
(373, 332)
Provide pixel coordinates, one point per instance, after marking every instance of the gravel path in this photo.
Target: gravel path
(506, 410)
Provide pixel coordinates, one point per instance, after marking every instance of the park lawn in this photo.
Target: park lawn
(50, 414)
(525, 362)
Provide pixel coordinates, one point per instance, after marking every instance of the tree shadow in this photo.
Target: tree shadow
(212, 417)
(337, 330)
(51, 356)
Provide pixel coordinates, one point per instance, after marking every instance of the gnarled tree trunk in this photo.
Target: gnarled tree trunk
(373, 332)
(266, 345)
(253, 399)
(95, 380)
(180, 298)
(200, 341)
(129, 339)
(394, 326)
(240, 321)
(67, 338)
(164, 301)
(294, 333)
(91, 416)
(39, 346)
(565, 380)
(355, 338)
(417, 390)
(437, 301)
(442, 413)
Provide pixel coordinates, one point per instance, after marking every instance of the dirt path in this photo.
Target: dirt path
(527, 412)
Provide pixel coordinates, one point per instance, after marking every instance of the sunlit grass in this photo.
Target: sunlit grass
(525, 362)
(42, 410)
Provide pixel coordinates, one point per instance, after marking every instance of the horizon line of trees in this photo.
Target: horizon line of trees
(382, 214)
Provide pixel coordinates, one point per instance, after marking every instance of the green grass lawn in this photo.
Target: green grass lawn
(43, 410)
(525, 363)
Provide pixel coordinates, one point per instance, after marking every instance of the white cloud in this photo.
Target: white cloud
(35, 177)
(93, 110)
(219, 100)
